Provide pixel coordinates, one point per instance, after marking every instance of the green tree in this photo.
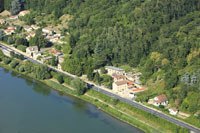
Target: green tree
(60, 79)
(80, 86)
(97, 78)
(41, 72)
(15, 7)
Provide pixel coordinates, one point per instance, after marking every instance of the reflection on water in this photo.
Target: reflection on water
(79, 105)
(27, 106)
(41, 90)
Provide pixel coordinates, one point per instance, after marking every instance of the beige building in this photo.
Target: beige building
(111, 70)
(31, 51)
(119, 86)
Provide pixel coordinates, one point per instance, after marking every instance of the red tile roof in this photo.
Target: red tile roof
(118, 83)
(53, 51)
(174, 109)
(119, 76)
(141, 89)
(161, 98)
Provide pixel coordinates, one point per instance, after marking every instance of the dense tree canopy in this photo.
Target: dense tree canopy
(157, 36)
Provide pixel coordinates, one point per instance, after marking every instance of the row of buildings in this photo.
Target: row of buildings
(34, 52)
(123, 82)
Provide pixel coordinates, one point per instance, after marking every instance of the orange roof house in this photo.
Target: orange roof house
(161, 100)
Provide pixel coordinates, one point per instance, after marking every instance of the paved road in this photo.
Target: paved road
(138, 105)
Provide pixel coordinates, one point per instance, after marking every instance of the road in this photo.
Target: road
(138, 105)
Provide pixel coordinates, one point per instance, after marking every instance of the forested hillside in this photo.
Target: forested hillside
(160, 37)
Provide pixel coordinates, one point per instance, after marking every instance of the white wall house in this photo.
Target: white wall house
(47, 30)
(161, 100)
(173, 111)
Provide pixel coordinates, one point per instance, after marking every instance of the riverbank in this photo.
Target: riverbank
(122, 111)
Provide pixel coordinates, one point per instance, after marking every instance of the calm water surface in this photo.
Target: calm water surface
(30, 107)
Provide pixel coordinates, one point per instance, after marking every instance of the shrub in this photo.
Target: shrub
(21, 68)
(6, 60)
(22, 48)
(14, 63)
(67, 80)
(60, 79)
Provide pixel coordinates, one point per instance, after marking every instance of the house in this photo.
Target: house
(5, 13)
(27, 28)
(35, 27)
(161, 100)
(13, 17)
(119, 86)
(2, 21)
(11, 28)
(32, 34)
(48, 30)
(9, 31)
(118, 77)
(173, 111)
(31, 51)
(23, 13)
(111, 70)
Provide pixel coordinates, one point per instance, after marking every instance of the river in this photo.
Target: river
(27, 106)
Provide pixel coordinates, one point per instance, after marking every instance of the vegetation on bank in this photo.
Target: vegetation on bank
(116, 108)
(161, 38)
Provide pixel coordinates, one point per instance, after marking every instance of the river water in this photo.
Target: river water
(27, 106)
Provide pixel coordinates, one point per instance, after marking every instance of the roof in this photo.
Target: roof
(33, 48)
(130, 83)
(138, 90)
(161, 98)
(32, 34)
(27, 27)
(119, 76)
(53, 51)
(5, 13)
(35, 27)
(114, 68)
(174, 109)
(118, 83)
(13, 17)
(22, 13)
(11, 28)
(48, 28)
